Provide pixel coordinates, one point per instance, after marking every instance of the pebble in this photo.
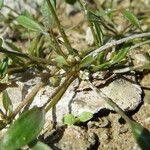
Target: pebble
(75, 138)
(89, 37)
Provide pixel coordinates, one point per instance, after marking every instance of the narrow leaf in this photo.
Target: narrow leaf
(1, 42)
(133, 19)
(141, 135)
(100, 58)
(86, 61)
(85, 116)
(34, 44)
(1, 4)
(120, 56)
(29, 23)
(4, 67)
(24, 129)
(7, 102)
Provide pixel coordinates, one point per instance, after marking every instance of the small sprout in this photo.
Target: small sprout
(85, 116)
(69, 119)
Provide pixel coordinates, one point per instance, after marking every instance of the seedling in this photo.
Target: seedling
(71, 119)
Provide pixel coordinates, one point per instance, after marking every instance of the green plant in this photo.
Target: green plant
(74, 64)
(71, 119)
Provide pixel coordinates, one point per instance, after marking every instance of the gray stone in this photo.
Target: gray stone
(126, 94)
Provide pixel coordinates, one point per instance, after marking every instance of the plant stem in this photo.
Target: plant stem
(110, 102)
(62, 32)
(84, 5)
(19, 54)
(133, 68)
(6, 6)
(114, 43)
(56, 96)
(28, 99)
(56, 45)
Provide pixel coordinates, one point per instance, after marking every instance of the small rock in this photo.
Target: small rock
(76, 138)
(102, 123)
(124, 93)
(141, 59)
(71, 10)
(89, 37)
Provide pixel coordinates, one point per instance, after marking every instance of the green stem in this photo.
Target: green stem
(32, 58)
(132, 68)
(56, 96)
(66, 41)
(84, 5)
(56, 45)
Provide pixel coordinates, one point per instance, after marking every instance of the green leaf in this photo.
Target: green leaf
(102, 66)
(34, 44)
(2, 17)
(141, 135)
(7, 102)
(60, 60)
(39, 146)
(120, 55)
(100, 58)
(24, 129)
(29, 23)
(85, 116)
(99, 33)
(69, 119)
(1, 42)
(1, 4)
(71, 1)
(86, 61)
(46, 13)
(132, 18)
(4, 67)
